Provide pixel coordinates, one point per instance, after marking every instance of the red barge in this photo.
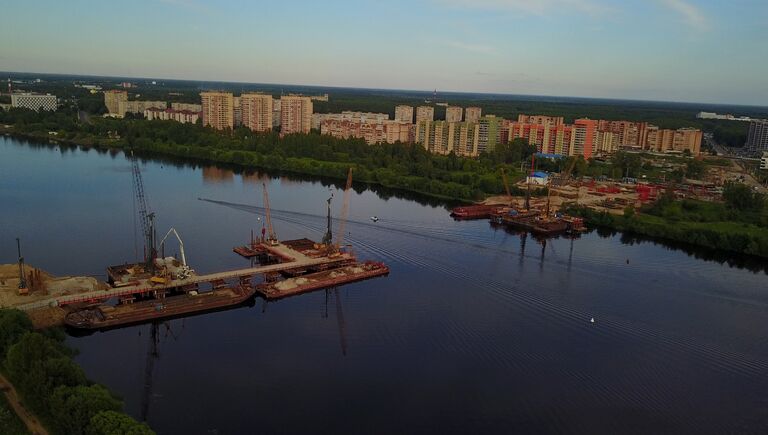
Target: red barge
(327, 278)
(108, 316)
(473, 212)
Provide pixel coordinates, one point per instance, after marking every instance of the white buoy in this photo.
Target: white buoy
(592, 320)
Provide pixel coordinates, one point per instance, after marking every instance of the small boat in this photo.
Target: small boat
(375, 218)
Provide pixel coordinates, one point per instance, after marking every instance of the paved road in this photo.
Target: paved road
(32, 423)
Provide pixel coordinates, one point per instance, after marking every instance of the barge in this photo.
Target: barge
(534, 222)
(108, 316)
(473, 212)
(319, 280)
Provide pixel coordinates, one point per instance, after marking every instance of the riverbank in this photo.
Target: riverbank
(48, 391)
(736, 237)
(289, 155)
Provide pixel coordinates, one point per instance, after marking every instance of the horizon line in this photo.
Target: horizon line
(389, 89)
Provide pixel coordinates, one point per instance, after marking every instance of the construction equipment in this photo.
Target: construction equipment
(23, 290)
(271, 237)
(506, 182)
(184, 272)
(344, 210)
(328, 236)
(146, 217)
(528, 191)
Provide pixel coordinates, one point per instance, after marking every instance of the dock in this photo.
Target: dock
(291, 260)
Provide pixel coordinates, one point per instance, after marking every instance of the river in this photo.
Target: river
(476, 329)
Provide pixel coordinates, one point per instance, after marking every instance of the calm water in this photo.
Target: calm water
(475, 330)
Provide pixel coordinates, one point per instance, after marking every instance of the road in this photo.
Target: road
(32, 423)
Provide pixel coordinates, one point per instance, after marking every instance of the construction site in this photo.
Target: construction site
(542, 214)
(164, 286)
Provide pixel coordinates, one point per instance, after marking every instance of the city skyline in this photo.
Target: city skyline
(660, 50)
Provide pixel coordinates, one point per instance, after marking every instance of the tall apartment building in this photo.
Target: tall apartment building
(276, 111)
(425, 113)
(472, 114)
(404, 114)
(295, 114)
(453, 114)
(442, 137)
(36, 102)
(237, 112)
(540, 119)
(218, 110)
(490, 133)
(256, 111)
(584, 137)
(112, 99)
(187, 106)
(757, 137)
(547, 138)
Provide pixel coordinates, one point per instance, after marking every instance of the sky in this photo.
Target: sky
(709, 51)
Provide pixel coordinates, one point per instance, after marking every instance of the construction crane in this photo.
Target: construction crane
(344, 210)
(22, 279)
(184, 272)
(328, 236)
(506, 184)
(271, 237)
(528, 191)
(146, 218)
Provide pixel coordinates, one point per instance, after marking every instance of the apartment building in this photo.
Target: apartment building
(584, 137)
(425, 113)
(36, 102)
(348, 115)
(442, 137)
(237, 112)
(757, 137)
(372, 132)
(489, 134)
(187, 106)
(296, 114)
(112, 99)
(256, 111)
(472, 114)
(453, 114)
(218, 109)
(404, 114)
(540, 119)
(182, 116)
(138, 106)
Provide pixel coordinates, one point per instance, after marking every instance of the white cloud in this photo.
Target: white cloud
(534, 7)
(692, 15)
(476, 48)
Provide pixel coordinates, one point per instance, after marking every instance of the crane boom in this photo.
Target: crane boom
(344, 210)
(146, 217)
(506, 182)
(272, 238)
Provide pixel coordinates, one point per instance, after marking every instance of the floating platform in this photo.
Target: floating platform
(320, 280)
(473, 212)
(107, 316)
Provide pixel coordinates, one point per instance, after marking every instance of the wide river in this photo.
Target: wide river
(476, 329)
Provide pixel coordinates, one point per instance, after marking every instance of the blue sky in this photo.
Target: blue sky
(679, 50)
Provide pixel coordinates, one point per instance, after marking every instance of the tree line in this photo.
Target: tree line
(54, 386)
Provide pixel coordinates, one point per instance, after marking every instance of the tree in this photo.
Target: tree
(116, 423)
(629, 163)
(695, 169)
(13, 324)
(740, 197)
(72, 408)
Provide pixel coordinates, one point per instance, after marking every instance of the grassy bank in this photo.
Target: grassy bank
(692, 222)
